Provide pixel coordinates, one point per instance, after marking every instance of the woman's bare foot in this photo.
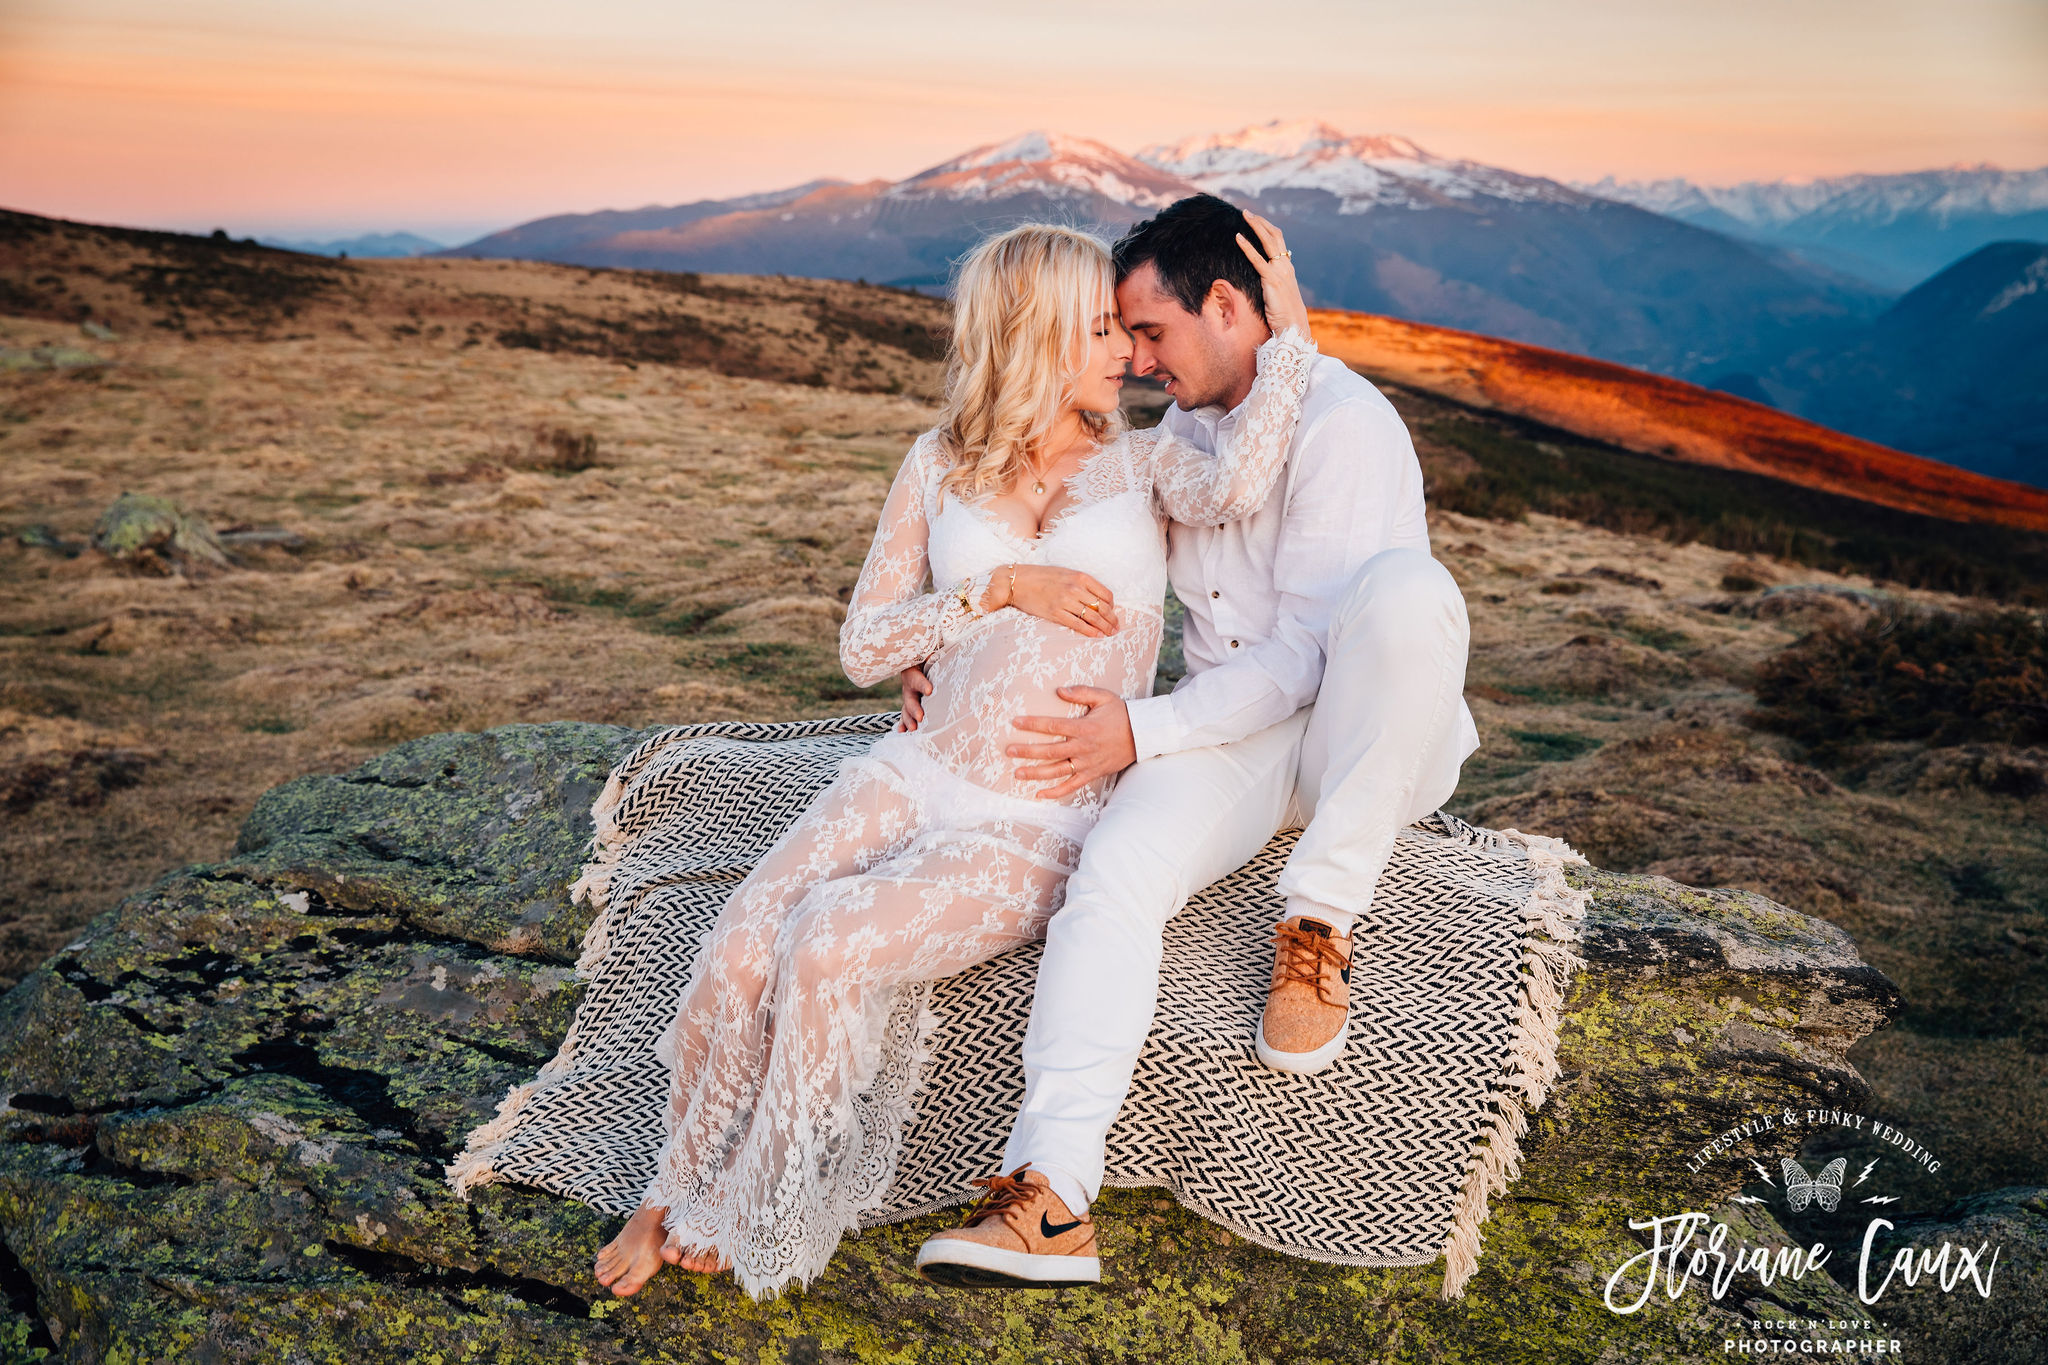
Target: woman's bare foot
(701, 1262)
(631, 1259)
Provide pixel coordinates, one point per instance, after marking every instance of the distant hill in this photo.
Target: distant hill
(1382, 225)
(1957, 369)
(570, 237)
(1893, 230)
(142, 283)
(373, 246)
(1655, 415)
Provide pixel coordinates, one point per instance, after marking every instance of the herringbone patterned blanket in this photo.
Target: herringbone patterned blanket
(1456, 986)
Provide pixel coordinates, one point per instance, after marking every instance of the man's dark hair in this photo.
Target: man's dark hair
(1193, 244)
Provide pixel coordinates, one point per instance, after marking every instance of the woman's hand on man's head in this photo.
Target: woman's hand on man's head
(1285, 306)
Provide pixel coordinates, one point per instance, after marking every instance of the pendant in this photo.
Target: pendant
(1038, 488)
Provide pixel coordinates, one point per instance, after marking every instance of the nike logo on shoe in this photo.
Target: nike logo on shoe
(997, 1248)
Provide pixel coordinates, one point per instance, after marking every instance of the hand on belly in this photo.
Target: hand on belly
(1071, 751)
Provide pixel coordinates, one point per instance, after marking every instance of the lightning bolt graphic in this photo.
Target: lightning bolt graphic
(1866, 1171)
(1766, 1175)
(1881, 1199)
(1747, 1199)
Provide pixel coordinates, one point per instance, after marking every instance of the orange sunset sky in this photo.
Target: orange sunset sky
(455, 117)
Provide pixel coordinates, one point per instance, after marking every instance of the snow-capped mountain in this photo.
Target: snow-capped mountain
(1948, 194)
(1895, 230)
(1047, 164)
(1378, 223)
(1361, 173)
(1384, 225)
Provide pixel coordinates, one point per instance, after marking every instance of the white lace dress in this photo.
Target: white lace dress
(925, 855)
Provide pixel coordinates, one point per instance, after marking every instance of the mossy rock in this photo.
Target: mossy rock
(154, 532)
(230, 1101)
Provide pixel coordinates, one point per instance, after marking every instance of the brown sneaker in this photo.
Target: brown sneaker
(1019, 1236)
(1308, 1005)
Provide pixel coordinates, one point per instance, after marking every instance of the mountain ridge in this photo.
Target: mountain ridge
(1386, 225)
(1039, 162)
(1363, 172)
(372, 244)
(1896, 229)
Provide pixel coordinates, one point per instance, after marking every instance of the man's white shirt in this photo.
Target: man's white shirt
(1259, 591)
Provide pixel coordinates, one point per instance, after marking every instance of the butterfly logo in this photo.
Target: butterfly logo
(1824, 1189)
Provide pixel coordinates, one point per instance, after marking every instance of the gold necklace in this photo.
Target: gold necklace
(1038, 476)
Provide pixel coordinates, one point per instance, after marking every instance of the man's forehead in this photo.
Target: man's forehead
(1142, 300)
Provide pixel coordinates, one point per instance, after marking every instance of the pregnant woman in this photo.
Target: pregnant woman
(1038, 521)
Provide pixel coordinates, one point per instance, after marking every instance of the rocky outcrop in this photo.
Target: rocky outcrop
(230, 1100)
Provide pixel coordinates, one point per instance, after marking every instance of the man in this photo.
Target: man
(1326, 658)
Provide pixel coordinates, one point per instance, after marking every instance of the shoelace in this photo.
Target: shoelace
(1302, 954)
(1005, 1193)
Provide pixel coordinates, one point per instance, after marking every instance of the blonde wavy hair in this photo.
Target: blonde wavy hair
(1023, 305)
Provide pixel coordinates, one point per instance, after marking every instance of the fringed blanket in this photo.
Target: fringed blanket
(1455, 992)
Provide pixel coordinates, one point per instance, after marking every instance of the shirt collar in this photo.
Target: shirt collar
(1215, 414)
(1209, 417)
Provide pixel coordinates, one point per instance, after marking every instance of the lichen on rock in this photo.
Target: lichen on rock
(154, 532)
(231, 1098)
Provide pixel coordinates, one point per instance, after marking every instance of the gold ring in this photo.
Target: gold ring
(1095, 606)
(1071, 769)
(1288, 254)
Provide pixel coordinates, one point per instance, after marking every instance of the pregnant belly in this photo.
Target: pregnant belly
(1014, 665)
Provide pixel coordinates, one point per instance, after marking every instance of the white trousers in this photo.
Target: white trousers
(1380, 748)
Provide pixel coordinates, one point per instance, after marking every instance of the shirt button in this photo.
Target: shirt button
(1215, 594)
(1233, 644)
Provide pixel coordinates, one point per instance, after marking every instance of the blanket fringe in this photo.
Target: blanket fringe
(593, 887)
(477, 1163)
(1550, 921)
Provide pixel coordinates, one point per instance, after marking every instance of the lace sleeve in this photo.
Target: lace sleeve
(891, 621)
(1197, 487)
